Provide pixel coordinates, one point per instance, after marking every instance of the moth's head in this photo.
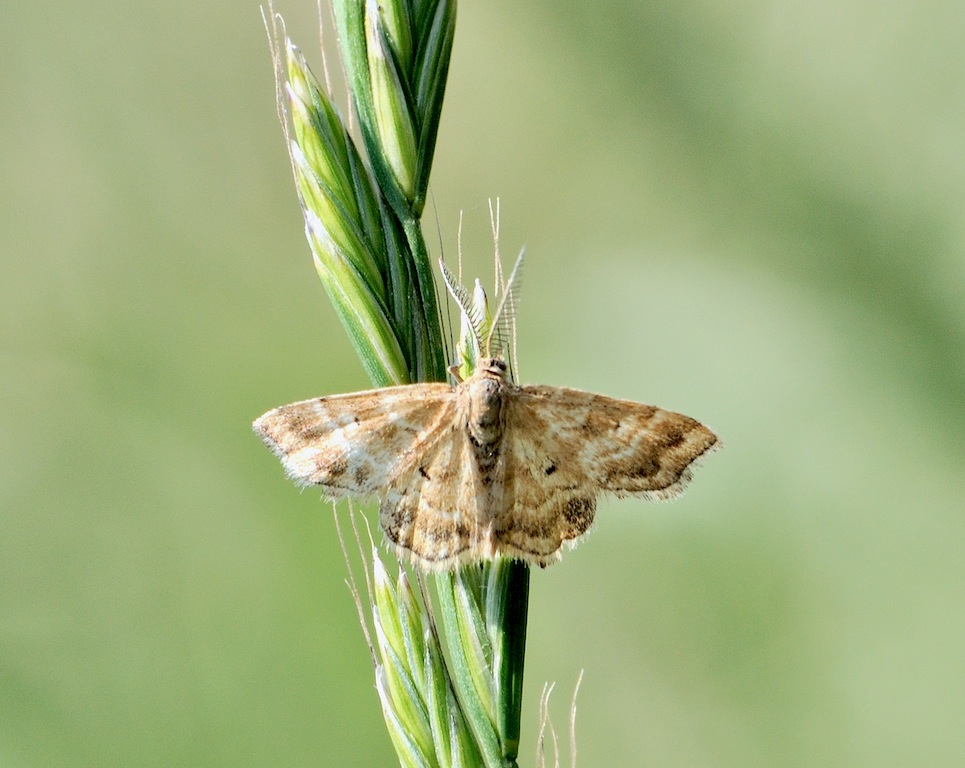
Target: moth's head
(495, 366)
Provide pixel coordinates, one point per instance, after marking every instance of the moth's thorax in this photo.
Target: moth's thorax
(484, 393)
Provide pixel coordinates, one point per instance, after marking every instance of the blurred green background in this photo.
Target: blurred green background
(750, 212)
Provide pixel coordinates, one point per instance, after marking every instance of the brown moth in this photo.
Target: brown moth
(484, 468)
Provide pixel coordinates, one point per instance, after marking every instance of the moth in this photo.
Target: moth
(484, 468)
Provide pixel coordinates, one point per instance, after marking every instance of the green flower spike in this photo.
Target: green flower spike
(424, 721)
(396, 54)
(362, 215)
(400, 677)
(344, 224)
(372, 263)
(394, 120)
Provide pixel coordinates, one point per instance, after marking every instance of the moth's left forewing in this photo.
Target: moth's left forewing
(624, 447)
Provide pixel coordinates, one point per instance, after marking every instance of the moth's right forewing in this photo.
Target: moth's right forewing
(349, 444)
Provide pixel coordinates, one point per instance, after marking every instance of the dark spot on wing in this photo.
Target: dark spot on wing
(332, 466)
(550, 469)
(422, 471)
(362, 475)
(578, 512)
(671, 435)
(648, 467)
